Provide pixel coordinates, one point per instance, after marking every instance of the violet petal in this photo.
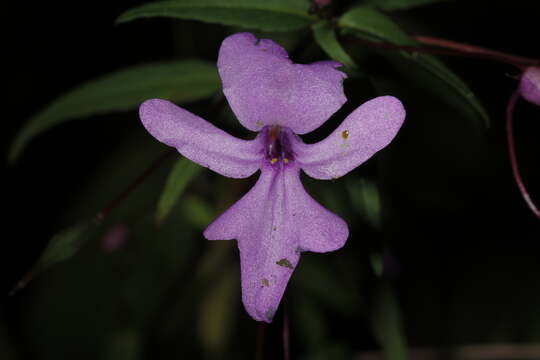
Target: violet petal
(529, 86)
(274, 222)
(365, 131)
(264, 87)
(200, 141)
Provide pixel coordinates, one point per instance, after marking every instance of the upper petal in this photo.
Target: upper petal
(264, 87)
(529, 86)
(273, 223)
(200, 141)
(365, 131)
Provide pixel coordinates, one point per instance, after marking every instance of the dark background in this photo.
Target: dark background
(467, 246)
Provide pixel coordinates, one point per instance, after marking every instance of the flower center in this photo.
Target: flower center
(278, 145)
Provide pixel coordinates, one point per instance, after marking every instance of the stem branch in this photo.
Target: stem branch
(512, 153)
(477, 50)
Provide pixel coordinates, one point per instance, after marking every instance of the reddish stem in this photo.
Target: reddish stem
(138, 181)
(261, 328)
(519, 61)
(286, 347)
(512, 153)
(457, 49)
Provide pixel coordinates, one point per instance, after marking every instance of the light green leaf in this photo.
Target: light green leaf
(387, 325)
(325, 36)
(265, 15)
(180, 176)
(370, 24)
(399, 4)
(180, 81)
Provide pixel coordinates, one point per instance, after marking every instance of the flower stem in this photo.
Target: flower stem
(512, 153)
(456, 49)
(102, 214)
(261, 327)
(477, 50)
(286, 347)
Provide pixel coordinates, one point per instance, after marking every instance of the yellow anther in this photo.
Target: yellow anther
(273, 161)
(285, 160)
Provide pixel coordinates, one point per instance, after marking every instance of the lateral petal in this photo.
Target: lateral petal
(200, 141)
(365, 131)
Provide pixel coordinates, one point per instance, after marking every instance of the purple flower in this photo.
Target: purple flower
(115, 238)
(277, 219)
(529, 85)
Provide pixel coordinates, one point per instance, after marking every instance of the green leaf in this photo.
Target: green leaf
(368, 23)
(387, 325)
(325, 36)
(265, 15)
(180, 176)
(64, 245)
(181, 81)
(197, 211)
(374, 24)
(366, 200)
(61, 247)
(218, 310)
(399, 4)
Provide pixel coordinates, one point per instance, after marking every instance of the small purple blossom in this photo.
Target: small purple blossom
(322, 3)
(529, 85)
(115, 238)
(277, 219)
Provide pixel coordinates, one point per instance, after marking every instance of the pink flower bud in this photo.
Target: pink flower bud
(322, 3)
(115, 238)
(529, 86)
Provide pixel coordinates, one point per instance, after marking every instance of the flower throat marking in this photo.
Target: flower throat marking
(278, 145)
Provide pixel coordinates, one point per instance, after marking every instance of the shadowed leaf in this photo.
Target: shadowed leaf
(180, 176)
(370, 24)
(61, 247)
(387, 326)
(180, 81)
(218, 310)
(366, 200)
(325, 36)
(275, 15)
(400, 4)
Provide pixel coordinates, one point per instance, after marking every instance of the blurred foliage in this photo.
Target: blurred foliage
(400, 4)
(183, 81)
(325, 35)
(181, 174)
(371, 24)
(441, 252)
